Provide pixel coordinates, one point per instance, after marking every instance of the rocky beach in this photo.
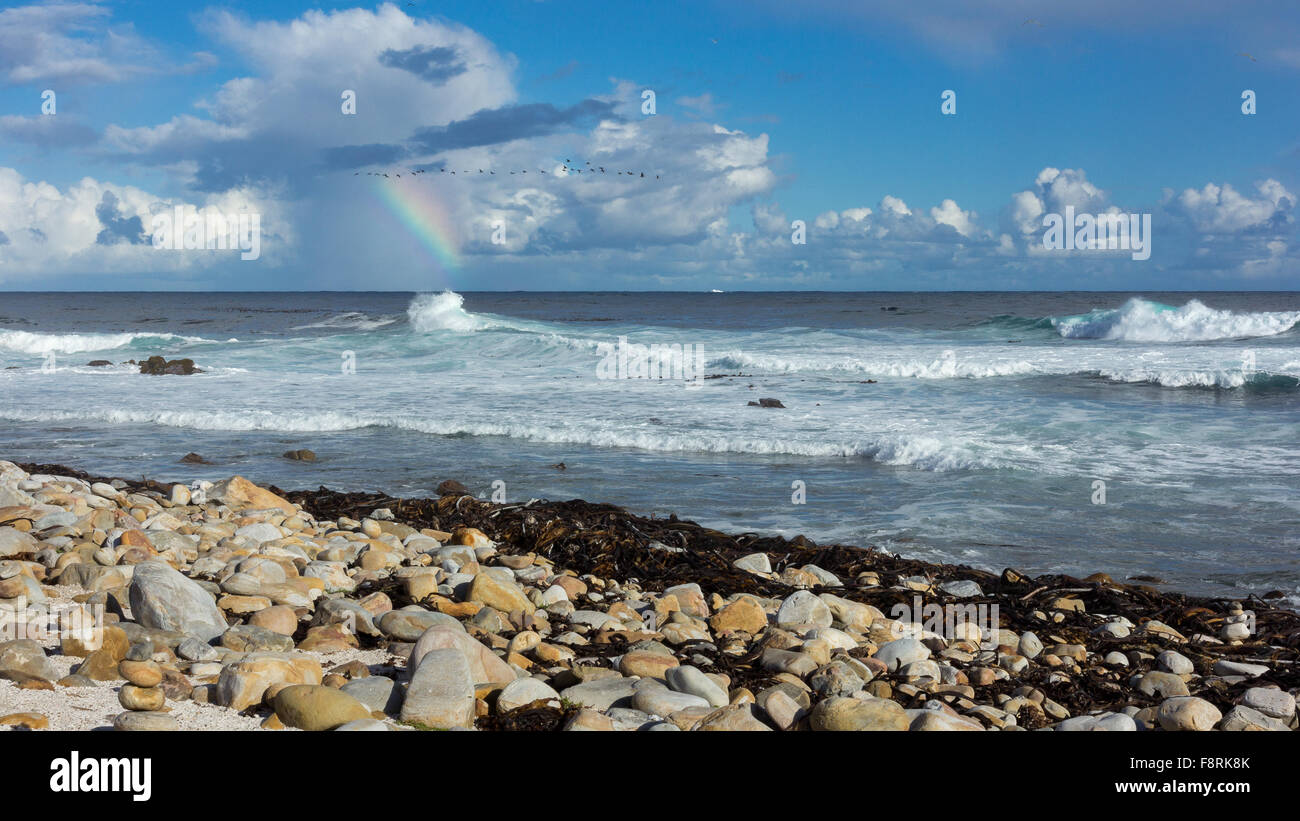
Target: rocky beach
(140, 605)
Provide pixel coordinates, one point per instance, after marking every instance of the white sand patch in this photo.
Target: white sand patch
(89, 708)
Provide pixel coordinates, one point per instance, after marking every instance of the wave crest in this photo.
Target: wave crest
(442, 312)
(1141, 320)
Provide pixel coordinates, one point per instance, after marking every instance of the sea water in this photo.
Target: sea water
(1140, 435)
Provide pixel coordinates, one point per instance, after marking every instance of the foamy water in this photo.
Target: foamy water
(966, 427)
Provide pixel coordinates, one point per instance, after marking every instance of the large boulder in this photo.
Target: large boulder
(238, 493)
(25, 657)
(314, 707)
(14, 542)
(163, 598)
(484, 665)
(441, 692)
(244, 682)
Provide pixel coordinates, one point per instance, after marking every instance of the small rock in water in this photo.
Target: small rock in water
(157, 366)
(452, 487)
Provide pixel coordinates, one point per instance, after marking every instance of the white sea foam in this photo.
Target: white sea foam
(41, 343)
(963, 364)
(923, 451)
(1180, 378)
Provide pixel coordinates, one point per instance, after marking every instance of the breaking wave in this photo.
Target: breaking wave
(1141, 320)
(41, 343)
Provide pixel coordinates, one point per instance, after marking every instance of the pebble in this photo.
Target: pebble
(163, 598)
(314, 707)
(652, 697)
(1166, 685)
(1271, 702)
(29, 721)
(962, 589)
(1174, 662)
(900, 652)
(646, 664)
(523, 691)
(378, 693)
(802, 607)
(26, 657)
(145, 722)
(754, 563)
(688, 679)
(842, 714)
(601, 694)
(141, 698)
(1241, 718)
(441, 692)
(1225, 667)
(141, 673)
(363, 725)
(1188, 713)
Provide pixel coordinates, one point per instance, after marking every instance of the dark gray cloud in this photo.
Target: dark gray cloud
(491, 126)
(500, 125)
(437, 64)
(117, 228)
(360, 156)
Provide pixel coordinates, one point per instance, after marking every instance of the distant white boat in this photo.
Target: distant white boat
(716, 291)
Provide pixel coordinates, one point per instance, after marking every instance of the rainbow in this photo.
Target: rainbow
(421, 212)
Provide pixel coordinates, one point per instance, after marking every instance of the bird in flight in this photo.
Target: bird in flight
(1031, 20)
(1247, 56)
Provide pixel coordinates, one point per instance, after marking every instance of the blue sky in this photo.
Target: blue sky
(767, 113)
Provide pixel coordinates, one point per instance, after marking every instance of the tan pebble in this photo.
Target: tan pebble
(140, 673)
(141, 698)
(32, 721)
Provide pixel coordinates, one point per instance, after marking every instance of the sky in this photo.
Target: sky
(818, 145)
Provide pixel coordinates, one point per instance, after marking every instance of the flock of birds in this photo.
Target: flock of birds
(569, 168)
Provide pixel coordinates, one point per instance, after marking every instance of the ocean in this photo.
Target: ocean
(1143, 435)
